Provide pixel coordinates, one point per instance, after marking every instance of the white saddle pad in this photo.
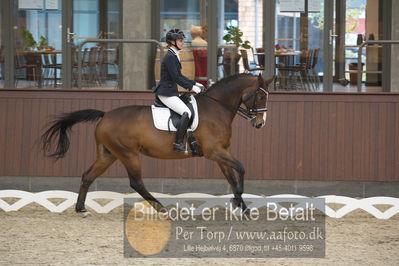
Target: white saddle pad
(161, 115)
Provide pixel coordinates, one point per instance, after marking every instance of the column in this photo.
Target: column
(394, 83)
(137, 59)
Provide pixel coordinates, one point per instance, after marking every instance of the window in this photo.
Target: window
(179, 14)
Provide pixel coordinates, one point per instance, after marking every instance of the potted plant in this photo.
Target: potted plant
(233, 37)
(43, 43)
(28, 42)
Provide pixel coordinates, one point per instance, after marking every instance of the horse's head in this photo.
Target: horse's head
(255, 100)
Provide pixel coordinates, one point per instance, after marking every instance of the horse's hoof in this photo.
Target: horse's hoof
(164, 216)
(80, 207)
(246, 212)
(86, 214)
(80, 210)
(235, 203)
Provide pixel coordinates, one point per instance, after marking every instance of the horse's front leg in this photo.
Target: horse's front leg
(236, 187)
(227, 164)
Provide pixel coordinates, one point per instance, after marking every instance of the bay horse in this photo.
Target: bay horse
(125, 132)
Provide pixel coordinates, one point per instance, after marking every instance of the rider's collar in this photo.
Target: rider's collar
(175, 52)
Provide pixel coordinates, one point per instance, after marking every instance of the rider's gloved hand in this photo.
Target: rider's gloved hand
(200, 85)
(196, 89)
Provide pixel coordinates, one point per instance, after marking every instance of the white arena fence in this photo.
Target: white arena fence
(116, 199)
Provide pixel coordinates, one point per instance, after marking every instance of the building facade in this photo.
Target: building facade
(322, 126)
(273, 29)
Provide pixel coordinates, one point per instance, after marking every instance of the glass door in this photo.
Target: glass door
(37, 27)
(2, 58)
(92, 19)
(304, 41)
(358, 21)
(239, 37)
(317, 42)
(188, 16)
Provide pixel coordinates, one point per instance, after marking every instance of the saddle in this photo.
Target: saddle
(167, 120)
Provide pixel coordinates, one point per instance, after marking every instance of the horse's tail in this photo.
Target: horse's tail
(61, 125)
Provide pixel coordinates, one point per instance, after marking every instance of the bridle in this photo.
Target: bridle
(249, 114)
(252, 112)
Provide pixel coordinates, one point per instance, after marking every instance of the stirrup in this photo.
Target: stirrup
(179, 147)
(195, 149)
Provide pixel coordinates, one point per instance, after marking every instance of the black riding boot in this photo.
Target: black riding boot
(181, 132)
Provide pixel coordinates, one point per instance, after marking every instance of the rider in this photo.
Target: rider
(166, 90)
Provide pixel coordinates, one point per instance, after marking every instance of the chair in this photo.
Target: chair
(255, 60)
(312, 70)
(201, 66)
(220, 61)
(261, 56)
(231, 57)
(75, 66)
(289, 74)
(56, 67)
(29, 63)
(50, 67)
(101, 71)
(91, 66)
(305, 65)
(114, 62)
(283, 65)
(88, 64)
(85, 69)
(245, 62)
(46, 66)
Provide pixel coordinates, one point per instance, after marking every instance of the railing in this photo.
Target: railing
(359, 58)
(80, 63)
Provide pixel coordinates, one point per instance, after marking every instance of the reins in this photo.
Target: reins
(247, 114)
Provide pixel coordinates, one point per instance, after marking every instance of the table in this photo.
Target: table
(283, 59)
(33, 60)
(261, 56)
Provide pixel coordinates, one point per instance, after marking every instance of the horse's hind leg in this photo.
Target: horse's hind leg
(103, 161)
(132, 164)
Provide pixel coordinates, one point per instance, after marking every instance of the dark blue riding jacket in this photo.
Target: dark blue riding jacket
(171, 76)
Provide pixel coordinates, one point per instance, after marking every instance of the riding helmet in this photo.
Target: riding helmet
(173, 35)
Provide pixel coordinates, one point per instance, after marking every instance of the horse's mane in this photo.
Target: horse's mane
(223, 82)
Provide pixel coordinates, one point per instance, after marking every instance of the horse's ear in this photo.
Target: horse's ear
(270, 80)
(261, 82)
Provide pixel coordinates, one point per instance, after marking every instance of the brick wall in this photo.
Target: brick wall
(250, 21)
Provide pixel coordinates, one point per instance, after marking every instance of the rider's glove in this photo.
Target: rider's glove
(200, 85)
(196, 89)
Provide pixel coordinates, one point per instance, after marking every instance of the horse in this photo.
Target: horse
(126, 132)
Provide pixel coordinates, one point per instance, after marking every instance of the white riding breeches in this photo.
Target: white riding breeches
(174, 103)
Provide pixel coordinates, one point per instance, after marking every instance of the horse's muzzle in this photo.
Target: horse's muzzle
(258, 123)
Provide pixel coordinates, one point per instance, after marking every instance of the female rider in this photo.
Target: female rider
(166, 90)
